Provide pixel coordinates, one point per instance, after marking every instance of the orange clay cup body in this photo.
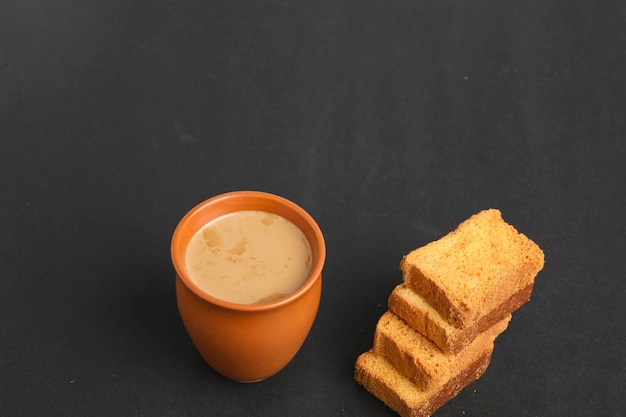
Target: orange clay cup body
(247, 342)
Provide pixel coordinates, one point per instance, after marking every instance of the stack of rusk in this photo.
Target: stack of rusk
(457, 296)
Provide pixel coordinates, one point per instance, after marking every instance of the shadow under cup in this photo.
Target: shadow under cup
(247, 342)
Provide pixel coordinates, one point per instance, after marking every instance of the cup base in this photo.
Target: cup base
(252, 382)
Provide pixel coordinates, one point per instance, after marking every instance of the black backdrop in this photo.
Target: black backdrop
(390, 122)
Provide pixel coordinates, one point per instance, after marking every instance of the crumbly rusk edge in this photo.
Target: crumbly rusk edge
(432, 400)
(419, 368)
(457, 339)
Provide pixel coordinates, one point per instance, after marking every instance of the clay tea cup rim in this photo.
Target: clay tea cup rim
(247, 200)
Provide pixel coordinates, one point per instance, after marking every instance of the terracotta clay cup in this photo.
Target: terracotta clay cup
(247, 343)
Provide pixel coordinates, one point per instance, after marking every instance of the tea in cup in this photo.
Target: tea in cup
(248, 281)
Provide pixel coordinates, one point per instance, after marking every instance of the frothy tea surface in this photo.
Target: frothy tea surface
(249, 257)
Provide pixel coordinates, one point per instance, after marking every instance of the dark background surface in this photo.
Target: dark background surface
(390, 122)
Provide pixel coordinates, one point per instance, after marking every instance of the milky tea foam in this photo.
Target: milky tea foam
(249, 257)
